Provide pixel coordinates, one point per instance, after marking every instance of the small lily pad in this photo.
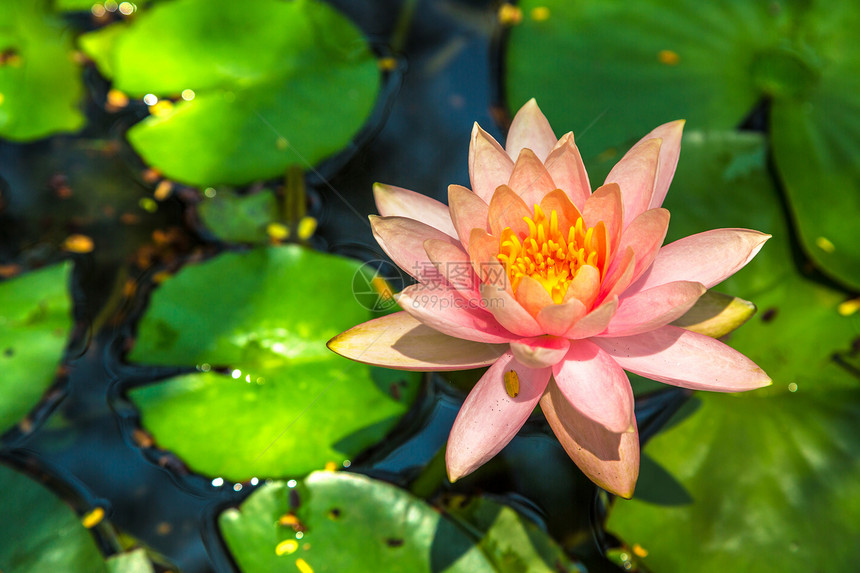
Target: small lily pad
(239, 218)
(35, 319)
(251, 95)
(40, 83)
(286, 404)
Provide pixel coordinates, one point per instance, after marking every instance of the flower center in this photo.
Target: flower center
(548, 254)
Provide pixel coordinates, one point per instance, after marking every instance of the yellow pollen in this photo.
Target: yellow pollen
(549, 254)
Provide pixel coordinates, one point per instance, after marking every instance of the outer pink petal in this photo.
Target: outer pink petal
(403, 239)
(490, 417)
(605, 205)
(597, 386)
(654, 308)
(453, 263)
(608, 459)
(530, 130)
(645, 235)
(567, 170)
(636, 174)
(670, 133)
(489, 164)
(398, 202)
(557, 319)
(540, 351)
(708, 258)
(687, 359)
(620, 275)
(508, 311)
(595, 321)
(468, 211)
(532, 296)
(402, 342)
(443, 309)
(507, 209)
(530, 179)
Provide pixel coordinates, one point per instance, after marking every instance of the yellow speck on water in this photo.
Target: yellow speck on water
(303, 566)
(512, 383)
(330, 466)
(116, 99)
(510, 15)
(387, 64)
(825, 244)
(382, 288)
(2, 98)
(277, 231)
(281, 143)
(849, 307)
(288, 519)
(148, 205)
(306, 228)
(78, 244)
(668, 57)
(93, 518)
(161, 108)
(640, 551)
(286, 547)
(540, 13)
(792, 387)
(163, 190)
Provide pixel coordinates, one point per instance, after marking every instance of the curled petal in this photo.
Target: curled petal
(532, 296)
(540, 351)
(654, 308)
(507, 209)
(605, 205)
(559, 202)
(557, 319)
(636, 174)
(670, 133)
(530, 179)
(567, 170)
(530, 130)
(443, 309)
(585, 286)
(490, 417)
(403, 239)
(454, 265)
(468, 211)
(610, 460)
(398, 202)
(687, 359)
(400, 341)
(595, 321)
(596, 386)
(619, 276)
(707, 258)
(509, 312)
(489, 164)
(645, 236)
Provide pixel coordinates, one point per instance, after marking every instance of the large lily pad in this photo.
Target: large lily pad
(35, 318)
(287, 405)
(289, 88)
(40, 84)
(760, 471)
(348, 522)
(39, 532)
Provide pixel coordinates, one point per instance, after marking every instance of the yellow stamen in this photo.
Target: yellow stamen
(549, 254)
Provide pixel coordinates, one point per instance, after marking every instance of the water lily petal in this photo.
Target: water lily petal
(468, 211)
(567, 170)
(507, 209)
(445, 310)
(557, 319)
(530, 130)
(490, 417)
(585, 286)
(620, 276)
(708, 258)
(558, 201)
(596, 385)
(540, 351)
(610, 460)
(595, 321)
(532, 296)
(400, 341)
(670, 133)
(605, 205)
(489, 164)
(636, 174)
(645, 236)
(403, 239)
(454, 264)
(687, 359)
(530, 179)
(509, 312)
(654, 308)
(398, 202)
(483, 252)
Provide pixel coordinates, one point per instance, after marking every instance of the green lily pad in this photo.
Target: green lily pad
(287, 405)
(40, 83)
(290, 88)
(39, 532)
(762, 469)
(348, 522)
(239, 218)
(35, 319)
(135, 561)
(627, 67)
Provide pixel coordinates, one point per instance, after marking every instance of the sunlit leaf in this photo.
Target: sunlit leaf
(239, 218)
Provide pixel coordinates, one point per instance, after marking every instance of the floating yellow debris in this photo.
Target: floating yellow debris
(849, 307)
(387, 64)
(640, 551)
(163, 190)
(286, 547)
(510, 15)
(161, 108)
(382, 288)
(303, 566)
(93, 518)
(306, 228)
(512, 383)
(540, 13)
(825, 244)
(277, 231)
(330, 466)
(78, 244)
(668, 57)
(116, 100)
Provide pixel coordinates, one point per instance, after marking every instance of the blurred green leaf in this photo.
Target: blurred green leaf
(287, 405)
(39, 532)
(291, 87)
(239, 218)
(40, 83)
(35, 319)
(763, 469)
(134, 561)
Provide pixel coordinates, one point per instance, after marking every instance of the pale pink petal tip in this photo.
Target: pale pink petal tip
(530, 130)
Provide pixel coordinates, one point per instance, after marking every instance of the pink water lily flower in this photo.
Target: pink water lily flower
(558, 290)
